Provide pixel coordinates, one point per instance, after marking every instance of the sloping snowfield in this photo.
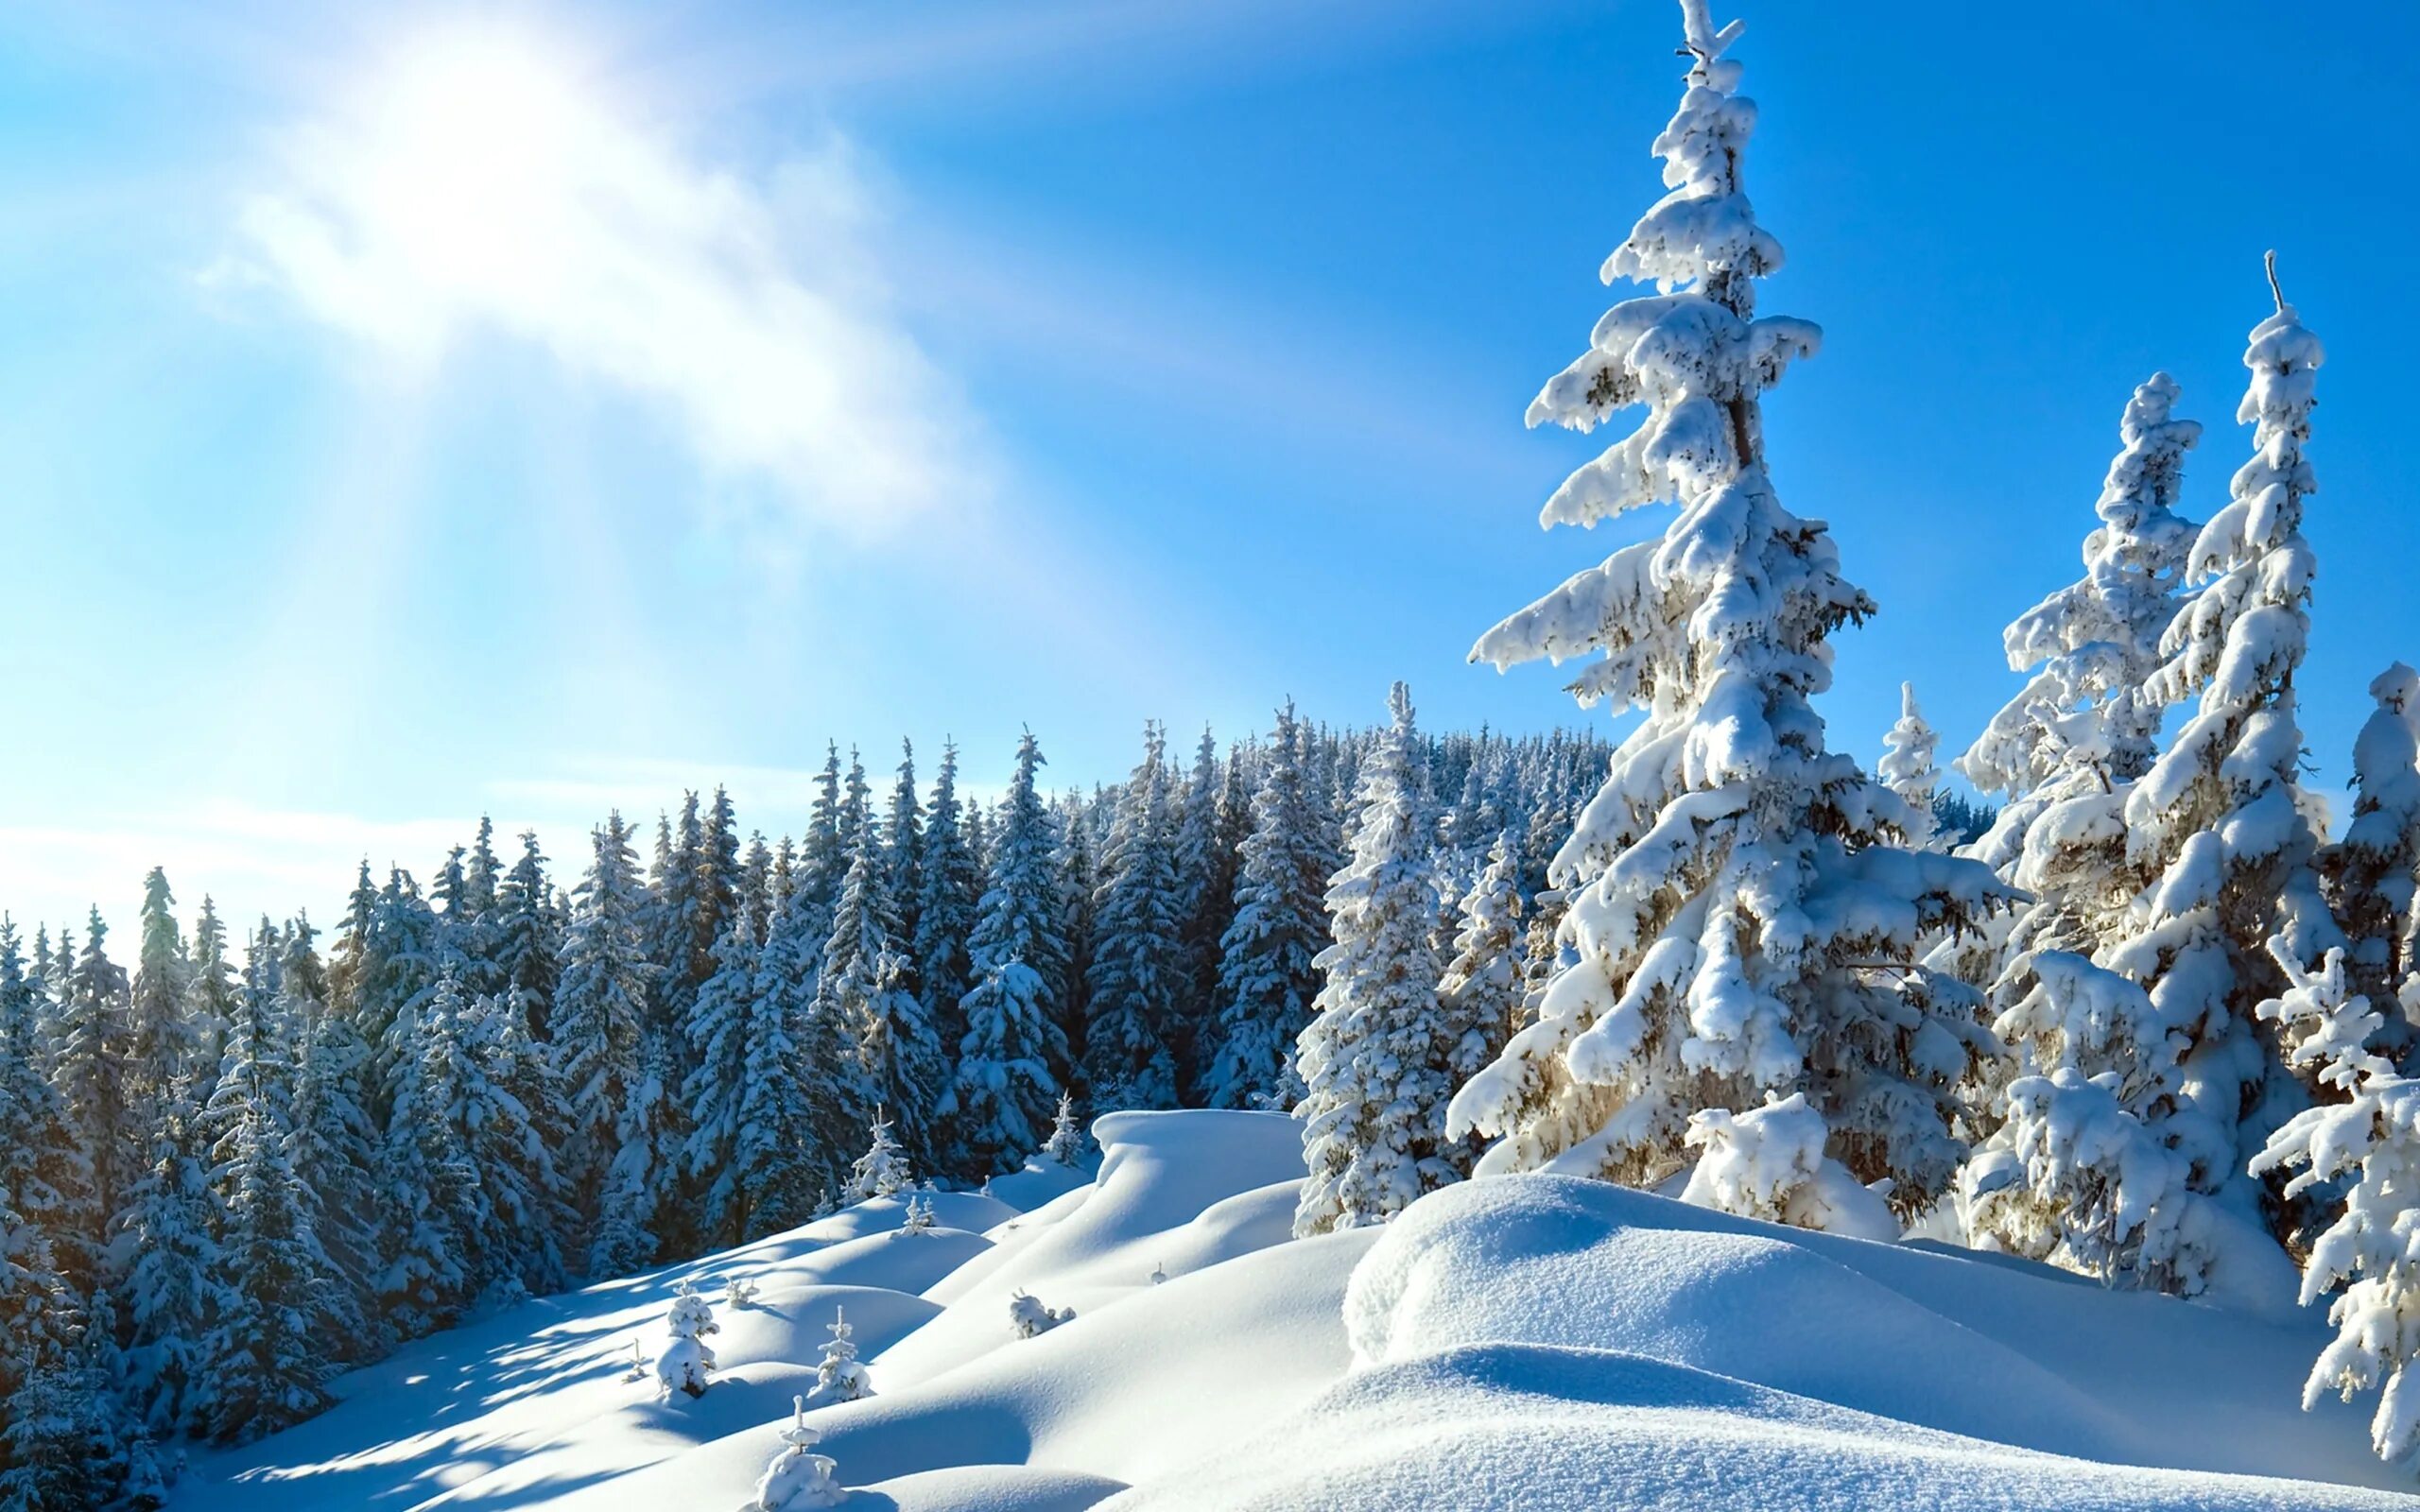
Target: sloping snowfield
(1517, 1343)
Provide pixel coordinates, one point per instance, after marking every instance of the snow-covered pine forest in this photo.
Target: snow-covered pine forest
(2144, 1012)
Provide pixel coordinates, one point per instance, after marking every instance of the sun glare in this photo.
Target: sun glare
(474, 145)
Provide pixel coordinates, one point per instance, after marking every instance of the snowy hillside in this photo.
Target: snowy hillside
(1521, 1342)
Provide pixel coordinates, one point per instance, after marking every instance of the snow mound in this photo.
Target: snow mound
(1176, 1191)
(1525, 1426)
(2012, 1353)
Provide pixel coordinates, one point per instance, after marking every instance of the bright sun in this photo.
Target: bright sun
(475, 147)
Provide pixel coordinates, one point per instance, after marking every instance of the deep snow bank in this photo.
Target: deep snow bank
(1547, 1340)
(1520, 1342)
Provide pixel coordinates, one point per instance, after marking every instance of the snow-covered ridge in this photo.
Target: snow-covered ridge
(1515, 1342)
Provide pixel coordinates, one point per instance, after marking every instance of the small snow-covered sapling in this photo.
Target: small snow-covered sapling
(794, 1477)
(686, 1362)
(739, 1292)
(839, 1377)
(1030, 1315)
(1159, 1274)
(638, 1363)
(920, 1215)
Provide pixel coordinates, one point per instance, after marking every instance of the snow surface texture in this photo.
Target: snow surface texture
(1513, 1342)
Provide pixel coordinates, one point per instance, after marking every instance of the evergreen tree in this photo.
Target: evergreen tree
(1138, 966)
(2220, 848)
(1376, 1059)
(335, 1146)
(1013, 1046)
(1731, 888)
(904, 855)
(1078, 882)
(1907, 769)
(600, 1005)
(268, 1355)
(528, 936)
(1267, 979)
(89, 1069)
(720, 1027)
(2372, 872)
(210, 993)
(169, 1236)
(950, 885)
(1483, 989)
(161, 1045)
(43, 1167)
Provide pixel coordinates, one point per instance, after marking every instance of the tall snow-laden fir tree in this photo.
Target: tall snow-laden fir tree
(89, 1067)
(169, 1237)
(1267, 978)
(1138, 967)
(1482, 988)
(1906, 766)
(949, 888)
(1376, 1058)
(721, 1023)
(1078, 882)
(903, 859)
(600, 1007)
(2072, 1175)
(2220, 835)
(1012, 1051)
(42, 1166)
(210, 993)
(2371, 872)
(528, 936)
(1740, 923)
(2365, 1257)
(1207, 874)
(161, 1044)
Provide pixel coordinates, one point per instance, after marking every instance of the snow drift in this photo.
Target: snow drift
(1515, 1342)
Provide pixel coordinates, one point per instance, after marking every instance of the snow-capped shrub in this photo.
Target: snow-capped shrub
(795, 1477)
(686, 1361)
(1030, 1315)
(839, 1377)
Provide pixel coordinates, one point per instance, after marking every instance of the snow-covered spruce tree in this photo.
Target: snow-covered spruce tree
(687, 1360)
(1205, 867)
(2219, 832)
(480, 1062)
(2072, 1174)
(839, 1377)
(903, 858)
(882, 1170)
(268, 1356)
(169, 1234)
(432, 1228)
(1138, 964)
(1482, 990)
(600, 1003)
(2082, 728)
(1741, 923)
(2373, 1140)
(949, 893)
(89, 1071)
(528, 931)
(42, 1169)
(1267, 978)
(1012, 1048)
(210, 994)
(1065, 1145)
(863, 1004)
(1907, 767)
(1079, 879)
(1376, 1058)
(161, 1042)
(2371, 872)
(720, 1023)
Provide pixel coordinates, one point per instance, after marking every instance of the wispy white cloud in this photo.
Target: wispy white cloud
(476, 184)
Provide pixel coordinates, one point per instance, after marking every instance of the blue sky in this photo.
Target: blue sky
(537, 409)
